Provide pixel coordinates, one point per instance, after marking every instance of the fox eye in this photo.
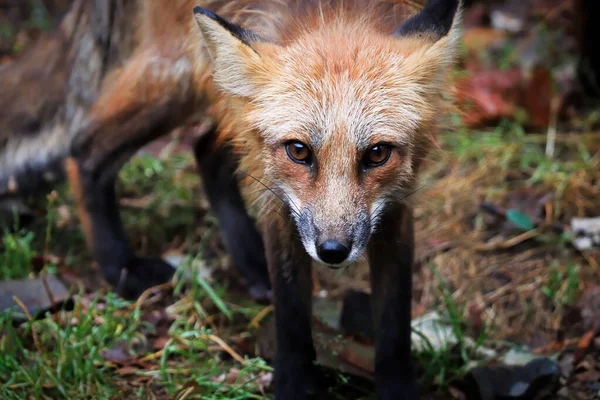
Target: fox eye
(377, 155)
(298, 152)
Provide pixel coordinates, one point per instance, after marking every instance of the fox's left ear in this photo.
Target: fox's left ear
(237, 66)
(438, 19)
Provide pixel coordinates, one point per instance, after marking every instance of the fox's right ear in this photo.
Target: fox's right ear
(437, 19)
(237, 66)
(437, 30)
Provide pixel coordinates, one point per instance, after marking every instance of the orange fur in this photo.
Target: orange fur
(330, 74)
(74, 175)
(334, 54)
(337, 79)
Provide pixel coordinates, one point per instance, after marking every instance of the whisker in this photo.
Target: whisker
(270, 206)
(413, 192)
(276, 185)
(284, 193)
(292, 209)
(270, 199)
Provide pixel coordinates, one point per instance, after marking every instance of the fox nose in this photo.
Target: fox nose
(332, 252)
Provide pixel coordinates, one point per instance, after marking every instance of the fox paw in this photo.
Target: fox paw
(296, 380)
(140, 274)
(260, 293)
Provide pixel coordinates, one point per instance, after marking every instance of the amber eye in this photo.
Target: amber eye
(298, 152)
(377, 155)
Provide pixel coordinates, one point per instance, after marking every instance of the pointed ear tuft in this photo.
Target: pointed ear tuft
(242, 34)
(235, 61)
(434, 21)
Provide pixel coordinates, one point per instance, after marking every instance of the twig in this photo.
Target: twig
(225, 347)
(552, 127)
(53, 304)
(509, 243)
(259, 317)
(150, 357)
(144, 296)
(36, 340)
(187, 392)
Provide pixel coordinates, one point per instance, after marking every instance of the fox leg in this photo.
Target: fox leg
(92, 171)
(391, 253)
(99, 214)
(290, 269)
(140, 105)
(242, 240)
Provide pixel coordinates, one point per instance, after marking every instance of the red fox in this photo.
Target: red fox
(331, 107)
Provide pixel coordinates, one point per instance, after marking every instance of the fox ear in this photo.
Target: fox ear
(436, 20)
(235, 61)
(437, 30)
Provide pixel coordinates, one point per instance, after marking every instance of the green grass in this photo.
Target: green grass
(166, 190)
(16, 253)
(449, 362)
(68, 355)
(562, 286)
(39, 18)
(508, 148)
(50, 359)
(18, 245)
(64, 356)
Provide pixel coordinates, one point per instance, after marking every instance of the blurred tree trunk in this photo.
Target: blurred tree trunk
(588, 24)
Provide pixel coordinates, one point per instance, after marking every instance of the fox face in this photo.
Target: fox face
(337, 119)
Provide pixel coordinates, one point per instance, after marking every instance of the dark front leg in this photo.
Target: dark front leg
(133, 108)
(290, 269)
(244, 243)
(391, 258)
(101, 221)
(97, 154)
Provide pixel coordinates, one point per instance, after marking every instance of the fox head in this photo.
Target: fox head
(338, 115)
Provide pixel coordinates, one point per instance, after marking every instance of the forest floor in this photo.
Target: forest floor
(500, 268)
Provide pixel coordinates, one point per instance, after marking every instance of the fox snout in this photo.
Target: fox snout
(333, 251)
(334, 243)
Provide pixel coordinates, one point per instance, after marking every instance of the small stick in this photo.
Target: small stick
(149, 291)
(259, 317)
(36, 340)
(226, 347)
(552, 127)
(509, 243)
(53, 304)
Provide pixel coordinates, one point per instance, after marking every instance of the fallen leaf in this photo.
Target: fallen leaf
(160, 342)
(127, 370)
(588, 376)
(583, 345)
(538, 96)
(519, 219)
(117, 355)
(488, 95)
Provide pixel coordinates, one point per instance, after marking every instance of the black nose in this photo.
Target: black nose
(333, 252)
